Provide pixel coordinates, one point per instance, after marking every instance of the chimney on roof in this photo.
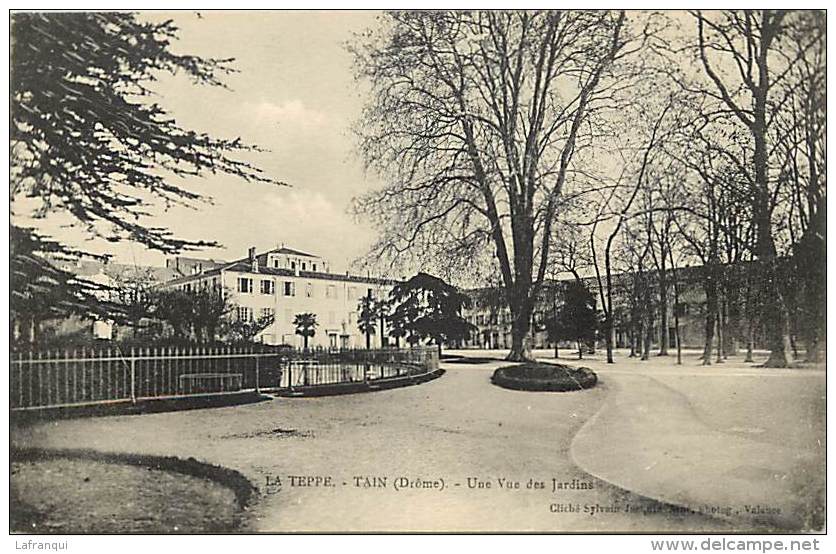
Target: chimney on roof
(253, 259)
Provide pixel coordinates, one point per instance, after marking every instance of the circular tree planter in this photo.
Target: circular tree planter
(544, 377)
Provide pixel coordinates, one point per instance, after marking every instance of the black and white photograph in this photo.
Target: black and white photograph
(422, 271)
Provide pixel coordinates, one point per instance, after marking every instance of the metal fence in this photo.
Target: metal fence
(50, 379)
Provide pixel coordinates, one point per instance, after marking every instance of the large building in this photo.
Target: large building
(284, 282)
(490, 315)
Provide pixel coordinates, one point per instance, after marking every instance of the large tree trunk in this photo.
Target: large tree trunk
(777, 323)
(751, 315)
(521, 311)
(813, 350)
(720, 334)
(750, 341)
(676, 309)
(709, 335)
(734, 327)
(608, 338)
(648, 336)
(678, 339)
(709, 339)
(663, 314)
(710, 287)
(774, 308)
(520, 343)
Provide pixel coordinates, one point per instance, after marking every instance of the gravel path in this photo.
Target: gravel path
(734, 438)
(444, 435)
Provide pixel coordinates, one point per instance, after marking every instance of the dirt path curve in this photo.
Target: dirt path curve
(454, 428)
(670, 437)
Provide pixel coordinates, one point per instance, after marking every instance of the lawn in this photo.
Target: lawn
(76, 495)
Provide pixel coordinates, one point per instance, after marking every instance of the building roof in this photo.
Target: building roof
(190, 260)
(244, 266)
(291, 251)
(159, 274)
(262, 257)
(88, 268)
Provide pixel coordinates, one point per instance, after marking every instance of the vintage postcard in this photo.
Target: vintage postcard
(555, 271)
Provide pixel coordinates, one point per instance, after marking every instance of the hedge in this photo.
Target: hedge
(544, 377)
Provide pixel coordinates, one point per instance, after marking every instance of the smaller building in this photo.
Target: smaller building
(108, 274)
(183, 265)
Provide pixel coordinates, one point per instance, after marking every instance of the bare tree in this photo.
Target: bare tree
(661, 201)
(475, 119)
(633, 253)
(743, 57)
(570, 250)
(617, 208)
(801, 149)
(674, 256)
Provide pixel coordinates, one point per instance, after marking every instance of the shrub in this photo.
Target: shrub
(544, 377)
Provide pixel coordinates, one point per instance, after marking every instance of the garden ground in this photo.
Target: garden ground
(601, 455)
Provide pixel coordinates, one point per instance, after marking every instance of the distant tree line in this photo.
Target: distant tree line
(609, 143)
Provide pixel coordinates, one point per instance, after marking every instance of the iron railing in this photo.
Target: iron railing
(50, 379)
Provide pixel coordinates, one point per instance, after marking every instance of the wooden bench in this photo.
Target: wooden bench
(201, 383)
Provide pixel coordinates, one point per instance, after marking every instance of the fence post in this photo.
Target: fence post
(133, 376)
(48, 371)
(20, 380)
(256, 374)
(366, 366)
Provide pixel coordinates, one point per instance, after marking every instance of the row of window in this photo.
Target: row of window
(267, 286)
(293, 265)
(244, 313)
(199, 285)
(505, 317)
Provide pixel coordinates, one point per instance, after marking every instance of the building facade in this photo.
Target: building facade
(284, 282)
(491, 316)
(184, 265)
(109, 275)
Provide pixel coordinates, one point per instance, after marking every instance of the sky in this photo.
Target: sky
(295, 96)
